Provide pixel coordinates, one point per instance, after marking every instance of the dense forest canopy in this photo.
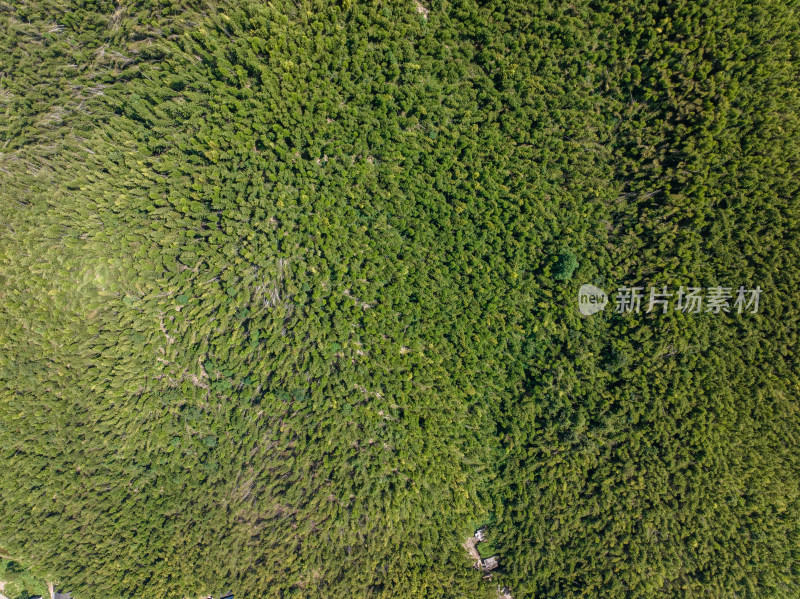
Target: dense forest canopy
(289, 297)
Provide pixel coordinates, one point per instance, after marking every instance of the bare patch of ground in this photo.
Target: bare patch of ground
(469, 545)
(503, 593)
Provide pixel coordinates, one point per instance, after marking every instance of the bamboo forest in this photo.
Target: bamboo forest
(399, 299)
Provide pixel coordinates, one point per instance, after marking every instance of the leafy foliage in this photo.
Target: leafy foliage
(566, 264)
(19, 583)
(279, 311)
